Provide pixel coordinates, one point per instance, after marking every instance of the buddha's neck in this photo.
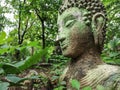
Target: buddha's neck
(90, 59)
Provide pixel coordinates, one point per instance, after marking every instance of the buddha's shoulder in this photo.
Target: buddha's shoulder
(112, 82)
(106, 69)
(104, 74)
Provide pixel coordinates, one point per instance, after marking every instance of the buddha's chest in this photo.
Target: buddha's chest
(91, 77)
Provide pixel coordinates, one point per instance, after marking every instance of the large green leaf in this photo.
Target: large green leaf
(4, 85)
(9, 68)
(14, 80)
(22, 65)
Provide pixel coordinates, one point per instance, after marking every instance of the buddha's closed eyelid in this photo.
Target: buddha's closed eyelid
(69, 23)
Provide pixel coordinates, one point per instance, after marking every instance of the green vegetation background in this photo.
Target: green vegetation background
(31, 40)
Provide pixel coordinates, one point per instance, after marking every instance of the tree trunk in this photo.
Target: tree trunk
(43, 34)
(43, 27)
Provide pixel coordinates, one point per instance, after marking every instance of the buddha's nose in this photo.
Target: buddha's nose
(61, 35)
(59, 39)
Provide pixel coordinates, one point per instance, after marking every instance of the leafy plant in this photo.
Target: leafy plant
(75, 84)
(87, 88)
(4, 85)
(9, 68)
(14, 80)
(59, 88)
(99, 87)
(111, 54)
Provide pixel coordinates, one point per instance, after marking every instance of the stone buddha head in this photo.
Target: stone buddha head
(82, 25)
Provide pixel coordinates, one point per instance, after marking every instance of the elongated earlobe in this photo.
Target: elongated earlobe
(98, 24)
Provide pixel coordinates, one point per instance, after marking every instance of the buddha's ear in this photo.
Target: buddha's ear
(98, 23)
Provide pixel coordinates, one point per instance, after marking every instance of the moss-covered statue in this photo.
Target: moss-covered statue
(82, 25)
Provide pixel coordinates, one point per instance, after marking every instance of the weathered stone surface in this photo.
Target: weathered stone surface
(82, 25)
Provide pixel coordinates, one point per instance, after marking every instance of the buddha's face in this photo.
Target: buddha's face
(74, 35)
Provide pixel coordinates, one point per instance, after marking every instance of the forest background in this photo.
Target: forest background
(27, 41)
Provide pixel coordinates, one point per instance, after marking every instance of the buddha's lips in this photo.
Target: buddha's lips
(63, 46)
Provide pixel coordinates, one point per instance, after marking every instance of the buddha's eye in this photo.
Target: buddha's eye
(70, 23)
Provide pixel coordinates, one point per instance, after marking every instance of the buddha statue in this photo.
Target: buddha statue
(82, 28)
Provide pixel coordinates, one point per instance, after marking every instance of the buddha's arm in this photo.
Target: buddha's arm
(105, 75)
(113, 82)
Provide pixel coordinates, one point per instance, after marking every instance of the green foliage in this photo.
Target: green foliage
(22, 65)
(4, 85)
(99, 87)
(2, 37)
(14, 80)
(22, 47)
(25, 64)
(75, 84)
(59, 88)
(87, 88)
(3, 20)
(9, 68)
(111, 52)
(28, 61)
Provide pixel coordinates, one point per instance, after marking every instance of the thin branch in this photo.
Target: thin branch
(31, 25)
(26, 29)
(37, 13)
(19, 24)
(26, 26)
